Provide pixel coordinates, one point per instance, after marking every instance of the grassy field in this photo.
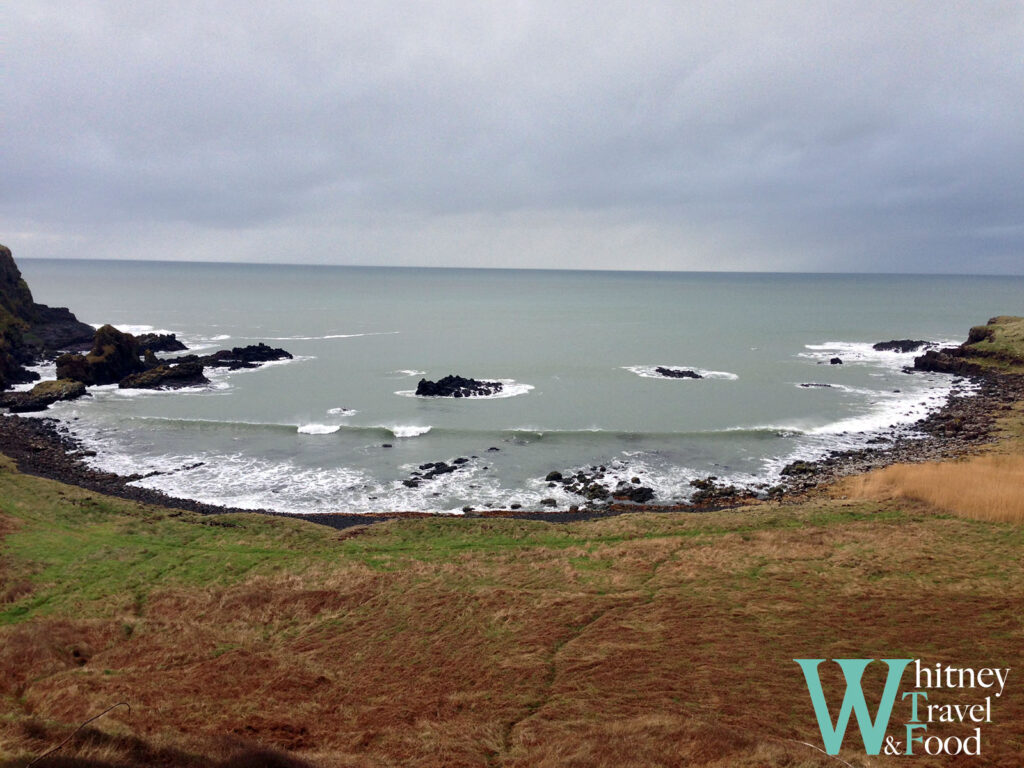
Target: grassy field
(640, 640)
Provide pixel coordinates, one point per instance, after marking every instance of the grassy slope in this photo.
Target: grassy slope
(640, 640)
(636, 641)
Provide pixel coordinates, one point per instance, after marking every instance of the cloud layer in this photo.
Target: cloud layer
(850, 136)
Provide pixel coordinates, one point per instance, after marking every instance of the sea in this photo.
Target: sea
(339, 427)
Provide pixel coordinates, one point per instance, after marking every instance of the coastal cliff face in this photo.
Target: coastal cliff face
(29, 330)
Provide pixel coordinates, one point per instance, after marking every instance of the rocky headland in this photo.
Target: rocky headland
(30, 331)
(85, 357)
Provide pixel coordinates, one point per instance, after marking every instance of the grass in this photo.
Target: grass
(653, 639)
(983, 487)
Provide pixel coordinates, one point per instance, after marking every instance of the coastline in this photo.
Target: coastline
(42, 447)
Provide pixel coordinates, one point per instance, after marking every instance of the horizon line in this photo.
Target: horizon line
(516, 269)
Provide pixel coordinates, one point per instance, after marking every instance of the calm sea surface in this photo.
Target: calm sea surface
(576, 350)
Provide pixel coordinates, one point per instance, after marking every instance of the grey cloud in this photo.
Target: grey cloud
(850, 136)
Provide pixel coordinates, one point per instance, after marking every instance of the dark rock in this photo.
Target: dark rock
(835, 361)
(42, 395)
(113, 356)
(457, 386)
(638, 495)
(549, 502)
(493, 449)
(813, 384)
(386, 445)
(798, 468)
(677, 373)
(29, 330)
(900, 345)
(189, 374)
(553, 477)
(160, 342)
(411, 483)
(235, 358)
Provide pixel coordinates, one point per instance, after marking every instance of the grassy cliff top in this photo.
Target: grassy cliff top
(1001, 340)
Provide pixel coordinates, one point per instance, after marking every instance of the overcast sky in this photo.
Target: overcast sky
(832, 136)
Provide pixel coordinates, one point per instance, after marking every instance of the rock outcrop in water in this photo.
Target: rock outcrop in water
(29, 330)
(457, 386)
(677, 373)
(159, 342)
(251, 356)
(901, 345)
(164, 376)
(113, 356)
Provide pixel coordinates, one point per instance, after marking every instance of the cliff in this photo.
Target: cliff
(29, 330)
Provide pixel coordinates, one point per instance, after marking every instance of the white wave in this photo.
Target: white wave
(220, 337)
(318, 429)
(342, 411)
(651, 372)
(408, 372)
(510, 388)
(408, 430)
(46, 371)
(862, 352)
(134, 330)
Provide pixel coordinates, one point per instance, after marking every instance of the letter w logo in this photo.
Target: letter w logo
(871, 732)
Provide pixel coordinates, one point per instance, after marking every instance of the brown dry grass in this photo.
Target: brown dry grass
(982, 488)
(643, 640)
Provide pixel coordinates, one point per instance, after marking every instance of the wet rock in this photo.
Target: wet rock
(457, 386)
(42, 395)
(677, 373)
(638, 495)
(814, 384)
(554, 477)
(901, 345)
(160, 342)
(549, 502)
(835, 361)
(189, 374)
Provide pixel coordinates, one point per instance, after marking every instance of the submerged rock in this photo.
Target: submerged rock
(677, 373)
(457, 386)
(42, 395)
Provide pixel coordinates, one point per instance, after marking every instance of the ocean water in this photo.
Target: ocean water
(575, 349)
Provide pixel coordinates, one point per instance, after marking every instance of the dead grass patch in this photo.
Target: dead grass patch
(982, 488)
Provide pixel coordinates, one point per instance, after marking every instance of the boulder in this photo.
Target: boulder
(188, 374)
(42, 395)
(677, 373)
(835, 361)
(637, 494)
(457, 386)
(113, 356)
